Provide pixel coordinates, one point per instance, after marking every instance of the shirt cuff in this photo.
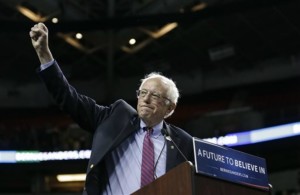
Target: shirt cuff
(44, 66)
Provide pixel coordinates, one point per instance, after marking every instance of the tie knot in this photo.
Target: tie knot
(148, 129)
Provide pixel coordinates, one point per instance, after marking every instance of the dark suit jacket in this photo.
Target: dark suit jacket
(110, 125)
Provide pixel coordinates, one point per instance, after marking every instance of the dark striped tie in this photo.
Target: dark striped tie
(147, 174)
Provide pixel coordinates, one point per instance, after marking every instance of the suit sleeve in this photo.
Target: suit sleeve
(82, 109)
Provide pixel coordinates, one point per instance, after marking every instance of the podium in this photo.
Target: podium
(182, 180)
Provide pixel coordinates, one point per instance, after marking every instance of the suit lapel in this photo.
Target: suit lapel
(172, 152)
(131, 126)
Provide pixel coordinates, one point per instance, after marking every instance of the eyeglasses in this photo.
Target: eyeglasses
(153, 95)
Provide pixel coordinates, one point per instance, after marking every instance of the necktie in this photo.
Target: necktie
(147, 171)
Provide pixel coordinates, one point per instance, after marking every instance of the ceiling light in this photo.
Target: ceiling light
(132, 41)
(72, 41)
(78, 36)
(30, 14)
(54, 20)
(162, 31)
(199, 7)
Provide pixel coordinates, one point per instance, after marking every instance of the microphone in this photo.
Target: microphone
(168, 137)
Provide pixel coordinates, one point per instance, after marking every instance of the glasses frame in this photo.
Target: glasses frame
(153, 95)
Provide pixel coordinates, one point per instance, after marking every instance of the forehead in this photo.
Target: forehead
(154, 84)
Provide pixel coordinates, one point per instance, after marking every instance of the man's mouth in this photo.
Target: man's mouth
(146, 107)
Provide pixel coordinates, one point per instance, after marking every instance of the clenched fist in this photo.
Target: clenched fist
(39, 40)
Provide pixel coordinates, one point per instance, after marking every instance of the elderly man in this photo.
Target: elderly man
(129, 149)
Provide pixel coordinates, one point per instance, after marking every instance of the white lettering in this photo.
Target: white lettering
(212, 156)
(199, 152)
(245, 165)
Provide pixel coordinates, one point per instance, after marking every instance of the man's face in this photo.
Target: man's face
(152, 105)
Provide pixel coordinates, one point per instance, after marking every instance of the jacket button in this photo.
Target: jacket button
(92, 165)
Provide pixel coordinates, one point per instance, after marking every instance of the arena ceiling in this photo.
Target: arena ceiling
(220, 52)
(172, 36)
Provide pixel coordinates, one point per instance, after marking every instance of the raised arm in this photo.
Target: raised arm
(81, 108)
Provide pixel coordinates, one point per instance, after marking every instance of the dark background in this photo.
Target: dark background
(236, 63)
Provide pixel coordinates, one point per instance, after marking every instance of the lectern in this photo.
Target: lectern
(182, 180)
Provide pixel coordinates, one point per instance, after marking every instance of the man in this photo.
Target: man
(117, 164)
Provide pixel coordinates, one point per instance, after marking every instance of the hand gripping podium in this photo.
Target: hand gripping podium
(182, 180)
(218, 171)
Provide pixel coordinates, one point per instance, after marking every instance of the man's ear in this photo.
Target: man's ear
(171, 107)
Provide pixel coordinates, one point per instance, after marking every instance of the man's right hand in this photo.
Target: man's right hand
(39, 40)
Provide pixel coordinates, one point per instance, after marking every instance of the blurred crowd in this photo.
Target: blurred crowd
(45, 138)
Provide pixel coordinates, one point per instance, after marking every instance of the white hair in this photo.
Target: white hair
(172, 90)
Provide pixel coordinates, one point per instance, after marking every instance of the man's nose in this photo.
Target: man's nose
(147, 97)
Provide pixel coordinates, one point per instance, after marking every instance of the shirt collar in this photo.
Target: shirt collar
(156, 129)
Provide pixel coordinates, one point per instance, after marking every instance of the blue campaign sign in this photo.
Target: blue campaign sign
(229, 164)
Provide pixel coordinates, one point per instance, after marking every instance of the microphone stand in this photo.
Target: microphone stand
(168, 137)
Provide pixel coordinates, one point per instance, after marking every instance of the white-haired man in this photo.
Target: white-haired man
(117, 164)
